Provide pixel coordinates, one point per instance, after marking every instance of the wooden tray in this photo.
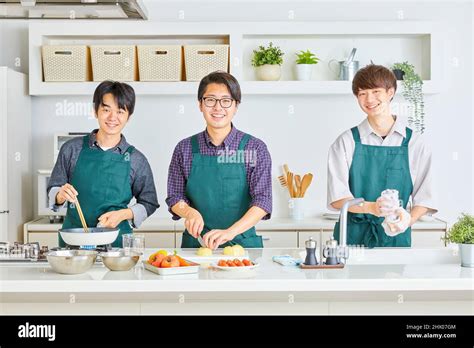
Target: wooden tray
(321, 266)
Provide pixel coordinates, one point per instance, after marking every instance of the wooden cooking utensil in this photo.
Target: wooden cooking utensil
(289, 182)
(298, 185)
(81, 216)
(307, 178)
(285, 169)
(282, 180)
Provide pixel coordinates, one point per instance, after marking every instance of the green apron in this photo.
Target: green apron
(374, 169)
(102, 179)
(219, 191)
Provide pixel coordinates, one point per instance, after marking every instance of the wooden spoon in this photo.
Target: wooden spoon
(81, 216)
(307, 178)
(289, 182)
(298, 185)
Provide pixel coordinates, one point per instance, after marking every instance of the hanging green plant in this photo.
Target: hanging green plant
(413, 93)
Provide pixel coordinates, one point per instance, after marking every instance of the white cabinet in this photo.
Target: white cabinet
(279, 239)
(419, 238)
(44, 238)
(159, 239)
(178, 237)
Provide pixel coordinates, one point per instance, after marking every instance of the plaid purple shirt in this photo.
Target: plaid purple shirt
(258, 165)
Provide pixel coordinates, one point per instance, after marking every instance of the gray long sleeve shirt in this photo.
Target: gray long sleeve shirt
(141, 176)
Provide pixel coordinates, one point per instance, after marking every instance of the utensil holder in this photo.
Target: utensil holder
(296, 208)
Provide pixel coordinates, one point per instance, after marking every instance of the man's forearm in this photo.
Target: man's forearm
(249, 220)
(365, 208)
(416, 213)
(182, 209)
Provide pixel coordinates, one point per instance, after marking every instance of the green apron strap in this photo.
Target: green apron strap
(407, 137)
(356, 134)
(85, 142)
(243, 142)
(195, 144)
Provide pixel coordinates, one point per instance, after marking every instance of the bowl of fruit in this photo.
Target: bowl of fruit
(164, 264)
(235, 265)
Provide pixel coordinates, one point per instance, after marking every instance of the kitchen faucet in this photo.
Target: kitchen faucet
(343, 249)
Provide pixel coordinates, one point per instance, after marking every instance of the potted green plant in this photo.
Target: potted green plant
(413, 93)
(462, 233)
(304, 65)
(268, 61)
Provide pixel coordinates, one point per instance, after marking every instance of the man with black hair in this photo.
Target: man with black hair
(219, 180)
(103, 170)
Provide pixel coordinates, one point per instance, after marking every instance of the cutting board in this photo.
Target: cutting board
(216, 256)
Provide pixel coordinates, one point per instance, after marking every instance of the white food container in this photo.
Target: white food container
(194, 268)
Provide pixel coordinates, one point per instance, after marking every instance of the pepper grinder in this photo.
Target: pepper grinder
(310, 252)
(330, 252)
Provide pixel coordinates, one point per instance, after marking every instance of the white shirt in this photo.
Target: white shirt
(342, 151)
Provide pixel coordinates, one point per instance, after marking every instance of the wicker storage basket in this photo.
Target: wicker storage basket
(159, 63)
(66, 63)
(201, 60)
(117, 63)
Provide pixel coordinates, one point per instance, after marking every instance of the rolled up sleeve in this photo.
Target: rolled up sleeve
(144, 190)
(260, 179)
(422, 194)
(176, 188)
(338, 174)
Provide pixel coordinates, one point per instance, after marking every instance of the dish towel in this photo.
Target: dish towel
(286, 260)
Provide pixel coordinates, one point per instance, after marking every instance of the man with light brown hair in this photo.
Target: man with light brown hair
(380, 153)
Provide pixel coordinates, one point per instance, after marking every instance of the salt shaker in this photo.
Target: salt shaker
(310, 252)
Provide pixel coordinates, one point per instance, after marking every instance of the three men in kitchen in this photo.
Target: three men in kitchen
(219, 180)
(103, 171)
(380, 153)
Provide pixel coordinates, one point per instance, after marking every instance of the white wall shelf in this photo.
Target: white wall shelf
(382, 42)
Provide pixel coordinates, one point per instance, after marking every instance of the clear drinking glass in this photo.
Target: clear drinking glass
(134, 242)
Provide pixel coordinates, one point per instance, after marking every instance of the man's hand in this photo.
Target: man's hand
(399, 227)
(112, 219)
(194, 222)
(67, 192)
(214, 238)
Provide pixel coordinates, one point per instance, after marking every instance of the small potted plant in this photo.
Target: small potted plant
(268, 61)
(462, 233)
(304, 65)
(413, 93)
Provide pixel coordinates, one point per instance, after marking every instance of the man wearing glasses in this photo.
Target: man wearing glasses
(219, 180)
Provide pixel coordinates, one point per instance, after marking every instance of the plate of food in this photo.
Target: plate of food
(169, 264)
(235, 265)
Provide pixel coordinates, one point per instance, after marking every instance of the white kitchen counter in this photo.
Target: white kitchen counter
(409, 281)
(274, 224)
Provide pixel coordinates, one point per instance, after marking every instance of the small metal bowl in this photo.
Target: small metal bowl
(119, 260)
(71, 261)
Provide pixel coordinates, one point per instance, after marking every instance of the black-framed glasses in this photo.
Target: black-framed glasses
(210, 102)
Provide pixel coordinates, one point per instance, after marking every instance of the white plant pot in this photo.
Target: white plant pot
(268, 72)
(304, 72)
(467, 255)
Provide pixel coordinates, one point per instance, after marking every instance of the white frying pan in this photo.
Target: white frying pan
(96, 236)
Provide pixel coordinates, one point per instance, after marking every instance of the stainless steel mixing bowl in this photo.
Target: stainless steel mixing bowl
(119, 260)
(71, 261)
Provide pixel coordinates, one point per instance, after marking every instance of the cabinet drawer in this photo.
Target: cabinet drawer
(303, 236)
(281, 239)
(418, 238)
(44, 238)
(427, 239)
(159, 239)
(178, 238)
